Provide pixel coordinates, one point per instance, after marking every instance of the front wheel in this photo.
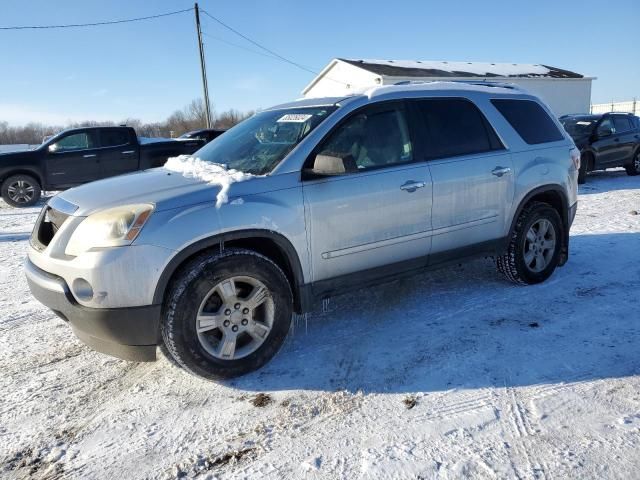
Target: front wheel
(227, 314)
(534, 250)
(634, 168)
(584, 169)
(21, 191)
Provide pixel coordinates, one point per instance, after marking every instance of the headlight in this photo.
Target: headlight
(115, 227)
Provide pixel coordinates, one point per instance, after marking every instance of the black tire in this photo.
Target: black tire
(512, 264)
(188, 290)
(585, 167)
(30, 187)
(633, 168)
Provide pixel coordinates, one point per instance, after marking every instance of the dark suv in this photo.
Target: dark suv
(605, 141)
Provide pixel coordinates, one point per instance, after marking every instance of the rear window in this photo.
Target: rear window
(530, 120)
(455, 127)
(113, 137)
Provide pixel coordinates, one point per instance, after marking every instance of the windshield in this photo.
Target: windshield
(578, 127)
(259, 143)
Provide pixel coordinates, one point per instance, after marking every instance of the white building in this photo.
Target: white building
(563, 90)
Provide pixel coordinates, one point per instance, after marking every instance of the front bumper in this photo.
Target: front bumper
(130, 333)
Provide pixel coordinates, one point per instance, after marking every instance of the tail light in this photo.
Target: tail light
(575, 157)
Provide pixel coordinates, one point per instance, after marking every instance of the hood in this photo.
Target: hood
(168, 190)
(159, 186)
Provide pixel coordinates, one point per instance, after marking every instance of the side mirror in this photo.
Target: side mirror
(53, 148)
(328, 165)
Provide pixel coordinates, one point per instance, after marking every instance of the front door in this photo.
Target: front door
(73, 159)
(380, 213)
(609, 150)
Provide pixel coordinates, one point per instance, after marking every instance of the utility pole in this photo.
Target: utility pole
(203, 68)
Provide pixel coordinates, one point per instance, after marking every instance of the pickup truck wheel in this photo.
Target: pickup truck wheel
(21, 191)
(226, 314)
(534, 250)
(634, 168)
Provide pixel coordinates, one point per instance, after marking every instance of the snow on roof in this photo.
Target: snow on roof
(439, 69)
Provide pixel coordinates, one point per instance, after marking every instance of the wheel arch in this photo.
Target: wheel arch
(554, 195)
(22, 171)
(272, 245)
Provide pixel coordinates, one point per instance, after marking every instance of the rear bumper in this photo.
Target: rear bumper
(130, 333)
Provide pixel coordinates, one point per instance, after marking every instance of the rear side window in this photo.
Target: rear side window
(621, 124)
(530, 120)
(114, 137)
(455, 127)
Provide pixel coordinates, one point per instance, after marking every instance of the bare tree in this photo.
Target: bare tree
(191, 117)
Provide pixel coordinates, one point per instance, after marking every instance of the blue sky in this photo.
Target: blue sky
(148, 69)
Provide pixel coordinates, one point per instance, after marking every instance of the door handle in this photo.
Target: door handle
(89, 155)
(411, 186)
(128, 152)
(500, 171)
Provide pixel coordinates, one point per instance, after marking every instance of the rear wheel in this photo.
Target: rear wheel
(227, 314)
(534, 250)
(21, 191)
(634, 168)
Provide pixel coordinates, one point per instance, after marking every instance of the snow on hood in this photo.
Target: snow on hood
(212, 173)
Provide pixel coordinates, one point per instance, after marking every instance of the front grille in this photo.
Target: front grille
(47, 225)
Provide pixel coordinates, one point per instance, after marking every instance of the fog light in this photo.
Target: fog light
(82, 289)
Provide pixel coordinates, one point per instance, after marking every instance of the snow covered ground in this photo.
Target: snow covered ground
(451, 374)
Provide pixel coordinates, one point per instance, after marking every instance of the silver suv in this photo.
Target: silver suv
(209, 256)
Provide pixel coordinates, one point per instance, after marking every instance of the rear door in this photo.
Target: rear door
(381, 213)
(73, 159)
(119, 151)
(471, 173)
(626, 137)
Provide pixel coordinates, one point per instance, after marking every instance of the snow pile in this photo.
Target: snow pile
(211, 173)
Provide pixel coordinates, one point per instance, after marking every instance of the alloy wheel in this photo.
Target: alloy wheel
(235, 318)
(21, 191)
(539, 245)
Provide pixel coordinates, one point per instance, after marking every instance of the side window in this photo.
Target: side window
(606, 127)
(114, 137)
(373, 139)
(456, 127)
(621, 124)
(75, 141)
(530, 120)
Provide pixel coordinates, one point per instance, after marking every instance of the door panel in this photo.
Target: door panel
(74, 160)
(365, 220)
(118, 154)
(470, 197)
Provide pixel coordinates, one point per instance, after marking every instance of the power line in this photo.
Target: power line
(95, 24)
(222, 40)
(302, 67)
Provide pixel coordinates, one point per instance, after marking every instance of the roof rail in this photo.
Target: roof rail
(510, 86)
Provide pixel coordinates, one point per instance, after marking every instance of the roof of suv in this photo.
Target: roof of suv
(412, 87)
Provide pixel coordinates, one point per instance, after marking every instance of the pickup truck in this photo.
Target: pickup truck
(605, 141)
(82, 155)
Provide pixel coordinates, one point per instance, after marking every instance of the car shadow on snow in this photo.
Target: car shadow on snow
(608, 181)
(465, 327)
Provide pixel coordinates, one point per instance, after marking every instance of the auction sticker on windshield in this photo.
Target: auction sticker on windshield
(295, 117)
